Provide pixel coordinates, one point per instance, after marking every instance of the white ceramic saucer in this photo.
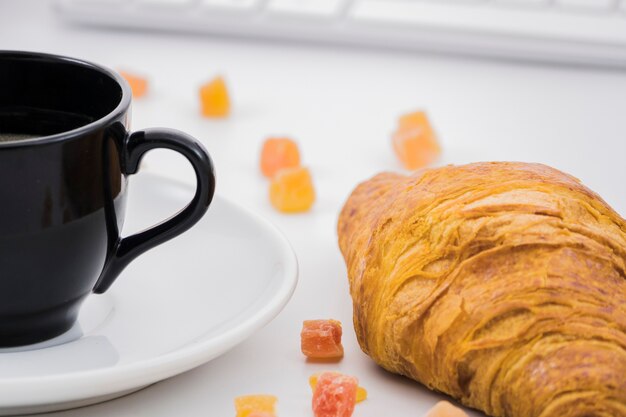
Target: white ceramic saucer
(176, 307)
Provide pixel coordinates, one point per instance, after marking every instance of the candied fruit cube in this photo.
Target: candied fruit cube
(214, 98)
(321, 339)
(247, 405)
(279, 153)
(291, 190)
(414, 119)
(361, 393)
(445, 409)
(138, 85)
(334, 395)
(261, 414)
(415, 142)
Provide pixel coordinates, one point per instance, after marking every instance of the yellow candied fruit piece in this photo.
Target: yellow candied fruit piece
(248, 405)
(214, 99)
(361, 393)
(291, 190)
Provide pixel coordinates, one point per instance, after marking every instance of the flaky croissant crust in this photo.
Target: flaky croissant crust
(501, 284)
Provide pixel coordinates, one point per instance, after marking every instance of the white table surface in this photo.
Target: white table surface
(341, 105)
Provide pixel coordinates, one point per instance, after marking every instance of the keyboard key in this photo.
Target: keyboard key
(462, 1)
(587, 4)
(95, 5)
(98, 2)
(166, 3)
(523, 2)
(231, 5)
(315, 8)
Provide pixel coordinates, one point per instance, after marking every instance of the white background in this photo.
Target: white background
(341, 105)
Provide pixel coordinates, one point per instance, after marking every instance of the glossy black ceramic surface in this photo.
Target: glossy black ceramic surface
(62, 193)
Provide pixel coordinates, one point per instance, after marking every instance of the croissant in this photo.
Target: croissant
(500, 284)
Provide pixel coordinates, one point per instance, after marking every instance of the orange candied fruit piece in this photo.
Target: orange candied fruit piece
(409, 120)
(361, 393)
(251, 405)
(291, 190)
(334, 395)
(415, 142)
(321, 339)
(138, 85)
(279, 153)
(445, 409)
(214, 98)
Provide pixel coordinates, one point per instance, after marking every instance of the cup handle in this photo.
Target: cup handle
(134, 148)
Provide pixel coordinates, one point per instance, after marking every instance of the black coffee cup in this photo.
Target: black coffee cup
(65, 157)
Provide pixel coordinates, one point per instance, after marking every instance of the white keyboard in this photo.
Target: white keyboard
(590, 32)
